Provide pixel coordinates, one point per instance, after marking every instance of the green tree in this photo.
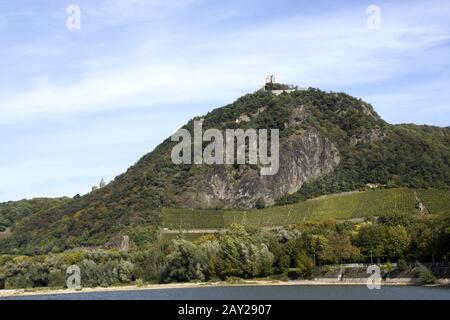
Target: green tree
(370, 240)
(305, 265)
(396, 242)
(230, 257)
(183, 264)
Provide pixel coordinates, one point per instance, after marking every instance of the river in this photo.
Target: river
(260, 292)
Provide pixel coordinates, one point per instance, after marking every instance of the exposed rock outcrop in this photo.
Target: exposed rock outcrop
(303, 156)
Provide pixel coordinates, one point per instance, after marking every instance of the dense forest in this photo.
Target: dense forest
(14, 211)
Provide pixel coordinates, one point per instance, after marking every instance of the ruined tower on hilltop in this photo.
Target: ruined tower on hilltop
(270, 79)
(278, 88)
(101, 185)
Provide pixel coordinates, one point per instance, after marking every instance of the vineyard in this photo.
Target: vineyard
(436, 201)
(337, 206)
(193, 219)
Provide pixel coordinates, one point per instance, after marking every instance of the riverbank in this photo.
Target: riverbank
(315, 282)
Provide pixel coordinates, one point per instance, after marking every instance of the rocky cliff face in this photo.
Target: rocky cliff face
(304, 156)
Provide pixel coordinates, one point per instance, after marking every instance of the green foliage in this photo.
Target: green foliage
(142, 236)
(98, 268)
(14, 211)
(184, 263)
(396, 241)
(402, 265)
(305, 265)
(230, 257)
(150, 264)
(276, 86)
(243, 252)
(396, 219)
(4, 223)
(106, 273)
(426, 276)
(233, 255)
(389, 242)
(370, 240)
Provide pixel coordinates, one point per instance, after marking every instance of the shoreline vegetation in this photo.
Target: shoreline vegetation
(216, 284)
(401, 245)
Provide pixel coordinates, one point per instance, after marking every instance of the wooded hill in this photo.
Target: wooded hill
(342, 138)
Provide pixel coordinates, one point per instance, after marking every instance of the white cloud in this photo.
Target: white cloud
(329, 50)
(421, 103)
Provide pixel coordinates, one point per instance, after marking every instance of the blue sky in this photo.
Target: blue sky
(79, 105)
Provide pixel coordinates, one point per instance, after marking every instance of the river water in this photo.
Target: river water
(291, 292)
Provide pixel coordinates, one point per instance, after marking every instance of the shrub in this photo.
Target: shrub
(260, 203)
(139, 283)
(402, 265)
(426, 276)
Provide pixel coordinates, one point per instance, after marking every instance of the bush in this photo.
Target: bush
(150, 264)
(402, 265)
(139, 283)
(260, 203)
(426, 276)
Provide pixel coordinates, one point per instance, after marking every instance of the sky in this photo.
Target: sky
(79, 104)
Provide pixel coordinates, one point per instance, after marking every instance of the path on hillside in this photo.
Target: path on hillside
(177, 231)
(223, 230)
(193, 231)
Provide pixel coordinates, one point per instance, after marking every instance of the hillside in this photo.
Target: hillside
(329, 143)
(14, 211)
